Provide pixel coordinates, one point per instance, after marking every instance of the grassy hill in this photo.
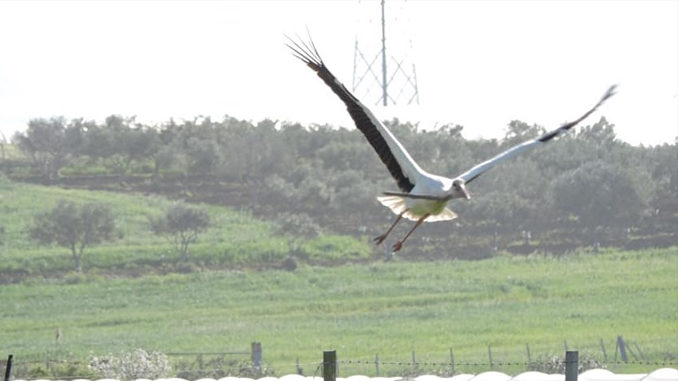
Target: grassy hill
(385, 308)
(136, 292)
(236, 238)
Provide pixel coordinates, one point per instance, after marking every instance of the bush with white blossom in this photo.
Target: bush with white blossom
(132, 365)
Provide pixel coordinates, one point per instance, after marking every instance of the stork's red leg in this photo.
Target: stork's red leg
(382, 237)
(399, 244)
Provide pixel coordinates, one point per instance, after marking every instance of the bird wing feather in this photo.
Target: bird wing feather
(481, 168)
(400, 164)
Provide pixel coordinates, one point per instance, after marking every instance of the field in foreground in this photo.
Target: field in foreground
(389, 309)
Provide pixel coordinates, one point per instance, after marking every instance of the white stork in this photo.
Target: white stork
(424, 196)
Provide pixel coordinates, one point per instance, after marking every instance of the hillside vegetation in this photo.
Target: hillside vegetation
(236, 239)
(584, 189)
(231, 289)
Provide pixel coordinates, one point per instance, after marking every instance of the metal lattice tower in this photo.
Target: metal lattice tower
(390, 71)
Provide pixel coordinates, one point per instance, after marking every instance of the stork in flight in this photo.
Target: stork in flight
(424, 196)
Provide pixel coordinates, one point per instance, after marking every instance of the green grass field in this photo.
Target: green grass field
(125, 299)
(389, 309)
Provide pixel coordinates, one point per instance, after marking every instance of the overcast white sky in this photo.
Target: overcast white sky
(480, 64)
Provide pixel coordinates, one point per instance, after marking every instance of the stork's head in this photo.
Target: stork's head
(459, 189)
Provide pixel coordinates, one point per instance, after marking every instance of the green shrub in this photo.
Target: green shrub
(556, 364)
(220, 367)
(59, 371)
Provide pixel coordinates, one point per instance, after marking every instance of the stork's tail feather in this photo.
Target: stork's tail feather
(398, 205)
(445, 215)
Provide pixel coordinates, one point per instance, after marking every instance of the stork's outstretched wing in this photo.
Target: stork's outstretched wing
(481, 168)
(398, 161)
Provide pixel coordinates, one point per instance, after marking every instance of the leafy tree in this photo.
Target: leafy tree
(136, 144)
(121, 141)
(3, 143)
(181, 224)
(74, 227)
(204, 154)
(49, 142)
(269, 153)
(166, 150)
(278, 190)
(518, 132)
(602, 133)
(99, 142)
(600, 195)
(351, 192)
(299, 227)
(663, 166)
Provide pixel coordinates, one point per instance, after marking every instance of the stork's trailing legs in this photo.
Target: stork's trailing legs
(382, 237)
(399, 244)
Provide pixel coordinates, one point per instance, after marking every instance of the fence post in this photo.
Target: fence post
(489, 354)
(628, 348)
(300, 370)
(330, 365)
(376, 363)
(622, 349)
(642, 357)
(8, 369)
(529, 357)
(452, 360)
(256, 354)
(571, 365)
(414, 362)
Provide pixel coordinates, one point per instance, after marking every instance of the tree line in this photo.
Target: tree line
(588, 188)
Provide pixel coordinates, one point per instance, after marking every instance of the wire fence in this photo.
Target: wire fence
(347, 368)
(216, 369)
(447, 369)
(625, 358)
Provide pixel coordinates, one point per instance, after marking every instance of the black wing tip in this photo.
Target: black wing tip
(305, 51)
(610, 92)
(567, 126)
(308, 53)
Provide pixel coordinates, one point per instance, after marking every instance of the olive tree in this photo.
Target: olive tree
(121, 141)
(600, 196)
(299, 229)
(181, 224)
(74, 227)
(50, 143)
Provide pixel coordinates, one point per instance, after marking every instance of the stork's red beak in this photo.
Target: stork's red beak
(462, 187)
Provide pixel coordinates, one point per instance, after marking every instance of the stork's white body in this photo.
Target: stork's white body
(414, 208)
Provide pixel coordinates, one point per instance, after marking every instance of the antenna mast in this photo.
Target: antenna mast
(401, 81)
(384, 83)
